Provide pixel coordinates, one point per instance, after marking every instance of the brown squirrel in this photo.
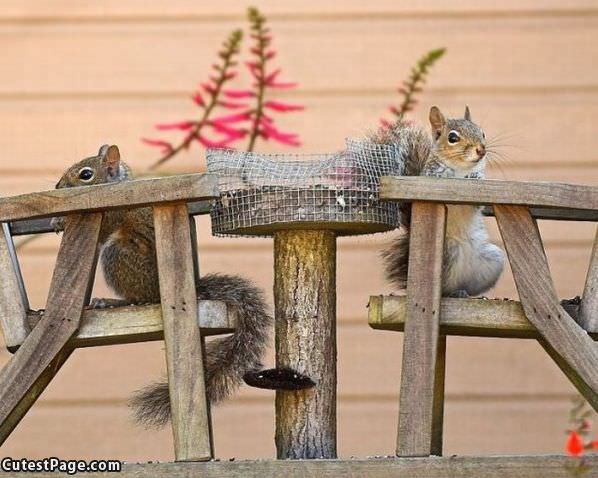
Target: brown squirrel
(456, 149)
(128, 258)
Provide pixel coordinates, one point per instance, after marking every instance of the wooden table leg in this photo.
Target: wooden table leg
(184, 355)
(422, 378)
(588, 312)
(305, 309)
(46, 348)
(566, 342)
(13, 299)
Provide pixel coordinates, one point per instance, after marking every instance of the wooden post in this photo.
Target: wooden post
(46, 348)
(184, 356)
(13, 299)
(305, 309)
(588, 311)
(422, 378)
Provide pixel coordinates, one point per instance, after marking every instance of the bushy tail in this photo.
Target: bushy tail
(396, 260)
(413, 143)
(414, 146)
(226, 359)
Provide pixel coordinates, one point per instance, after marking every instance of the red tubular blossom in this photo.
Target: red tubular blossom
(282, 107)
(270, 132)
(164, 146)
(198, 99)
(181, 125)
(231, 105)
(574, 446)
(239, 93)
(236, 118)
(208, 87)
(236, 133)
(208, 143)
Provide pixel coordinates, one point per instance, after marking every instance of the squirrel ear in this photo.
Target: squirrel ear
(467, 114)
(111, 159)
(437, 120)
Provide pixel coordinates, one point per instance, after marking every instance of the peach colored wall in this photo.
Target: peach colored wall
(78, 74)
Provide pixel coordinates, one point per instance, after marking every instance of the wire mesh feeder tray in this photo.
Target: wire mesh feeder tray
(264, 193)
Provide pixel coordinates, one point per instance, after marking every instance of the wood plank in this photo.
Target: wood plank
(46, 348)
(547, 466)
(339, 113)
(13, 298)
(482, 192)
(588, 313)
(466, 317)
(556, 214)
(331, 48)
(184, 354)
(131, 10)
(101, 197)
(44, 225)
(420, 388)
(142, 323)
(570, 346)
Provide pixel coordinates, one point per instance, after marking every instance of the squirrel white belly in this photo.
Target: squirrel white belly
(457, 149)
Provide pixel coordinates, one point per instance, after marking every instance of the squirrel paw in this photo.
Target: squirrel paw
(459, 294)
(278, 379)
(57, 224)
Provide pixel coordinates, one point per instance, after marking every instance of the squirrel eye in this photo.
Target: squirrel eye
(453, 137)
(86, 174)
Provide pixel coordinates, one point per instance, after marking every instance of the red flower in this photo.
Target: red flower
(282, 107)
(574, 445)
(164, 146)
(239, 93)
(181, 125)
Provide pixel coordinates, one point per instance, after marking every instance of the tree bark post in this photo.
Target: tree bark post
(305, 311)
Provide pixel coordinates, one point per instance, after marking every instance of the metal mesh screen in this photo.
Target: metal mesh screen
(261, 193)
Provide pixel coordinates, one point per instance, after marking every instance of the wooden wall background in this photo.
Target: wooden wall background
(77, 74)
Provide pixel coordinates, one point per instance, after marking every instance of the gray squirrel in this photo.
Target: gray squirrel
(128, 258)
(456, 149)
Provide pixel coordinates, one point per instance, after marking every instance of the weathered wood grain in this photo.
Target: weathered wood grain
(465, 317)
(136, 11)
(305, 323)
(569, 345)
(546, 466)
(141, 323)
(588, 313)
(45, 349)
(421, 379)
(556, 214)
(13, 298)
(465, 191)
(184, 354)
(100, 197)
(43, 225)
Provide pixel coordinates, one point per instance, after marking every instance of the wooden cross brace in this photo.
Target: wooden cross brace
(566, 341)
(42, 350)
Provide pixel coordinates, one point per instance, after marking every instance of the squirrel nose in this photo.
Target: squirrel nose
(481, 150)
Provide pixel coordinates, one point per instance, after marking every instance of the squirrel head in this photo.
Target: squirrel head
(458, 142)
(105, 167)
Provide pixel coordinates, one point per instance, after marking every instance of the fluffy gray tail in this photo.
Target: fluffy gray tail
(226, 359)
(396, 261)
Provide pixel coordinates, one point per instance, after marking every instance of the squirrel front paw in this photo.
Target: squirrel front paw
(57, 224)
